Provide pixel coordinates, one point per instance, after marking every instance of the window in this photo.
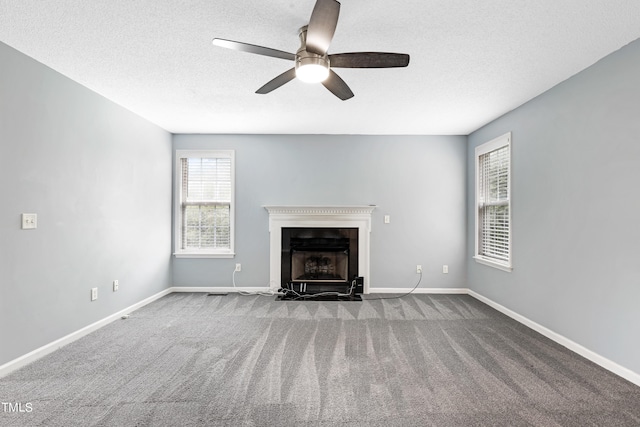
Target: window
(204, 204)
(493, 203)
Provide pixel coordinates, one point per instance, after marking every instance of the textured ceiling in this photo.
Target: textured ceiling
(471, 60)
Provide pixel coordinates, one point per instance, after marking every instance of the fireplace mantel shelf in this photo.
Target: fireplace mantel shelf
(320, 210)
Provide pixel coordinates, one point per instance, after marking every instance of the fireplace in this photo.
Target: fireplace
(354, 218)
(319, 259)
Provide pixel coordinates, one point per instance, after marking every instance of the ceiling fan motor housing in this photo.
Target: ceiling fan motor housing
(310, 61)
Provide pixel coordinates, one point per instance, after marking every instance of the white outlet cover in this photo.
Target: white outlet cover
(29, 221)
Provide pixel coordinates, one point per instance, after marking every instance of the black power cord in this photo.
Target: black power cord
(298, 296)
(397, 296)
(288, 292)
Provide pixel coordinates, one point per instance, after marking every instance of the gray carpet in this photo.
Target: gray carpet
(422, 360)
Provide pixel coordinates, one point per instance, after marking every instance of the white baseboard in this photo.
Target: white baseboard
(607, 364)
(419, 290)
(36, 354)
(229, 289)
(371, 290)
(611, 366)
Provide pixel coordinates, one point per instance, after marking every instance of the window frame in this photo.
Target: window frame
(493, 145)
(177, 224)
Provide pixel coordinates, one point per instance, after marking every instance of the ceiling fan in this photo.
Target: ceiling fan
(312, 63)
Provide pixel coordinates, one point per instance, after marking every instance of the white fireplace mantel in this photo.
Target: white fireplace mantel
(318, 217)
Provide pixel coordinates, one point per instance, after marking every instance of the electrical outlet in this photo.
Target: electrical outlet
(387, 219)
(238, 267)
(445, 269)
(116, 286)
(418, 269)
(94, 294)
(29, 221)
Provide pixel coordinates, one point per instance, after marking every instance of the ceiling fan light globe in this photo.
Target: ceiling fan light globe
(312, 73)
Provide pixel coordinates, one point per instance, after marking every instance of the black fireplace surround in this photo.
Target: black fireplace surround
(318, 260)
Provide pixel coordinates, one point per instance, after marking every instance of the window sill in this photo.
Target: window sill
(494, 264)
(203, 255)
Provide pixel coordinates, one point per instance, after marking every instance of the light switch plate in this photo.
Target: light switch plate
(29, 221)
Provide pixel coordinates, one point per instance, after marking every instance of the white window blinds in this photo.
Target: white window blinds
(493, 216)
(206, 203)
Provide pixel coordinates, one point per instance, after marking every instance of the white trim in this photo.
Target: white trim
(487, 147)
(494, 144)
(462, 291)
(607, 364)
(36, 354)
(229, 289)
(177, 211)
(459, 291)
(317, 217)
(320, 210)
(200, 255)
(491, 263)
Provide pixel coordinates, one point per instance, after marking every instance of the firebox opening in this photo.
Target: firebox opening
(319, 266)
(320, 260)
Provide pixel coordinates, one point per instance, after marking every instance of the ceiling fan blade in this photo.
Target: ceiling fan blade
(251, 48)
(322, 26)
(368, 60)
(283, 78)
(337, 86)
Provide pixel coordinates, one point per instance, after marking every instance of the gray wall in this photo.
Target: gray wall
(99, 179)
(418, 180)
(576, 207)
